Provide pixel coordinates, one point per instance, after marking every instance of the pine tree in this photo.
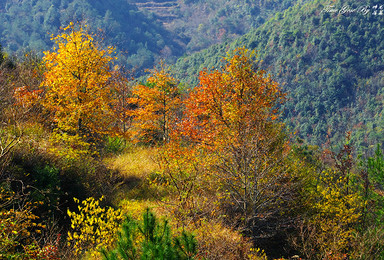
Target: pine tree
(151, 240)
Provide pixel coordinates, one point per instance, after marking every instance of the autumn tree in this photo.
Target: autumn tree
(25, 80)
(78, 83)
(154, 107)
(123, 82)
(232, 118)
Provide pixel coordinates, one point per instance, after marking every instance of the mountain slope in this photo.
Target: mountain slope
(330, 63)
(143, 30)
(203, 23)
(138, 37)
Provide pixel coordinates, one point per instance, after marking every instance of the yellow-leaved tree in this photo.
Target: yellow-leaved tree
(78, 84)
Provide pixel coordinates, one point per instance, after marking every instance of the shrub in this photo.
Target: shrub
(336, 208)
(151, 240)
(115, 144)
(218, 242)
(20, 229)
(94, 227)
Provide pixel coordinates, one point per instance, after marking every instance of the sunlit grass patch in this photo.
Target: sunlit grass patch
(135, 208)
(138, 162)
(136, 167)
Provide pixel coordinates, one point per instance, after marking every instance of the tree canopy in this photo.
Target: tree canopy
(78, 83)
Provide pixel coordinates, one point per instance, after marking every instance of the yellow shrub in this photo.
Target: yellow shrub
(70, 147)
(18, 225)
(94, 227)
(339, 208)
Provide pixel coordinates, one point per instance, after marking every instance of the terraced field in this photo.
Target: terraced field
(165, 11)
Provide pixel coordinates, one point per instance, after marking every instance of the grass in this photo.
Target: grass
(136, 166)
(139, 162)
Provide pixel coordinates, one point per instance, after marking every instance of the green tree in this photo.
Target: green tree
(151, 240)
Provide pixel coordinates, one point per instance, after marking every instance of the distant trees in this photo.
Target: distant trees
(38, 19)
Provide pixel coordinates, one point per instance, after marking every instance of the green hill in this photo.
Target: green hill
(203, 23)
(141, 41)
(143, 31)
(330, 63)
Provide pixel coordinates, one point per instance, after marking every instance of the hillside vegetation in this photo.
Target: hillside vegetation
(329, 63)
(197, 160)
(203, 23)
(89, 158)
(139, 39)
(142, 31)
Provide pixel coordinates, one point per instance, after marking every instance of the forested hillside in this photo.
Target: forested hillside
(140, 40)
(203, 23)
(143, 31)
(331, 65)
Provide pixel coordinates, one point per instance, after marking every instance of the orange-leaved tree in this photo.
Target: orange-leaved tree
(232, 117)
(155, 107)
(26, 80)
(79, 91)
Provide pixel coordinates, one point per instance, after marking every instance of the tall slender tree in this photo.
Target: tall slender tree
(155, 107)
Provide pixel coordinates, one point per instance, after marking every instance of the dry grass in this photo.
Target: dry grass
(139, 162)
(215, 240)
(136, 166)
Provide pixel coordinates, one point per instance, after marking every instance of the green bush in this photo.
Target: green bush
(115, 145)
(151, 240)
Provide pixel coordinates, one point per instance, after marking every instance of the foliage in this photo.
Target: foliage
(25, 80)
(94, 227)
(20, 80)
(41, 176)
(77, 82)
(334, 82)
(115, 145)
(156, 105)
(335, 209)
(151, 240)
(70, 147)
(373, 171)
(19, 228)
(375, 168)
(336, 205)
(140, 39)
(339, 212)
(232, 115)
(206, 23)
